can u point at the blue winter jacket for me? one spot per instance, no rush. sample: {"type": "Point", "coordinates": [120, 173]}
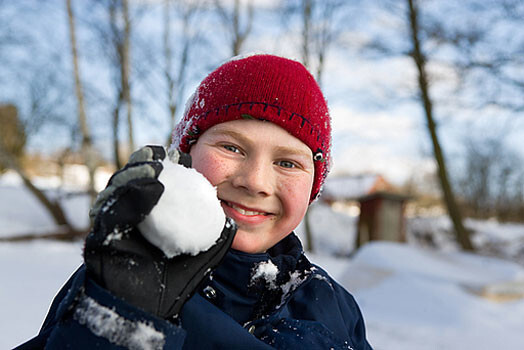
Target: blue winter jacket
{"type": "Point", "coordinates": [238, 307]}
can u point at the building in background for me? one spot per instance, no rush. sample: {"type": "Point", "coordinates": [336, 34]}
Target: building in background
{"type": "Point", "coordinates": [380, 207]}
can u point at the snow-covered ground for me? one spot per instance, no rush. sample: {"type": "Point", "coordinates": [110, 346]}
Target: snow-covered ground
{"type": "Point", "coordinates": [31, 275]}
{"type": "Point", "coordinates": [411, 297]}
{"type": "Point", "coordinates": [418, 299]}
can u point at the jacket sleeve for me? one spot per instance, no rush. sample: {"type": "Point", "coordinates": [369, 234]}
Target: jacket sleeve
{"type": "Point", "coordinates": [86, 316]}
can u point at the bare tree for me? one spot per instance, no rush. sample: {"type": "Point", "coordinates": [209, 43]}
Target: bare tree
{"type": "Point", "coordinates": [238, 21]}
{"type": "Point", "coordinates": [121, 39]}
{"type": "Point", "coordinates": [420, 61]}
{"type": "Point", "coordinates": [490, 180]}
{"type": "Point", "coordinates": [42, 92]}
{"type": "Point", "coordinates": [113, 28]}
{"type": "Point", "coordinates": [87, 148]}
{"type": "Point", "coordinates": [486, 63]}
{"type": "Point", "coordinates": [319, 29]}
{"type": "Point", "coordinates": [176, 76]}
{"type": "Point", "coordinates": [496, 58]}
{"type": "Point", "coordinates": [487, 59]}
{"type": "Point", "coordinates": [415, 47]}
{"type": "Point", "coordinates": [168, 56]}
{"type": "Point", "coordinates": [125, 65]}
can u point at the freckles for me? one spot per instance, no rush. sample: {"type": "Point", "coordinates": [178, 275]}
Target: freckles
{"type": "Point", "coordinates": [211, 167]}
{"type": "Point", "coordinates": [297, 188]}
{"type": "Point", "coordinates": [295, 193]}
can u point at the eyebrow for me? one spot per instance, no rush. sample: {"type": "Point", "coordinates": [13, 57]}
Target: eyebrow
{"type": "Point", "coordinates": [281, 149]}
{"type": "Point", "coordinates": [294, 151]}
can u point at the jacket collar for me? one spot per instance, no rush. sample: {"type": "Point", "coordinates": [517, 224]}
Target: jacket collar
{"type": "Point", "coordinates": [246, 297]}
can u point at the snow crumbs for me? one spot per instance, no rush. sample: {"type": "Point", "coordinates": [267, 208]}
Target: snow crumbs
{"type": "Point", "coordinates": [268, 271]}
{"type": "Point", "coordinates": [323, 278]}
{"type": "Point", "coordinates": [106, 323]}
{"type": "Point", "coordinates": [115, 235]}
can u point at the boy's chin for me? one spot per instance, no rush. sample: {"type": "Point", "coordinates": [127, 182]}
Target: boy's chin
{"type": "Point", "coordinates": [253, 243]}
{"type": "Point", "coordinates": [247, 245]}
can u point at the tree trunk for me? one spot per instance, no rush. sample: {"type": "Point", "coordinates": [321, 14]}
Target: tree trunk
{"type": "Point", "coordinates": [320, 67]}
{"type": "Point", "coordinates": [310, 246]}
{"type": "Point", "coordinates": [306, 31]}
{"type": "Point", "coordinates": [116, 121]}
{"type": "Point", "coordinates": [449, 198]}
{"type": "Point", "coordinates": [237, 40]}
{"type": "Point", "coordinates": [233, 22]}
{"type": "Point", "coordinates": [175, 82]}
{"type": "Point", "coordinates": [306, 38]}
{"type": "Point", "coordinates": [168, 57]}
{"type": "Point", "coordinates": [87, 145]}
{"type": "Point", "coordinates": [115, 39]}
{"type": "Point", "coordinates": [126, 69]}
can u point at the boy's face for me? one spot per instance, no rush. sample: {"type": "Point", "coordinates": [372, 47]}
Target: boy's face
{"type": "Point", "coordinates": [263, 176]}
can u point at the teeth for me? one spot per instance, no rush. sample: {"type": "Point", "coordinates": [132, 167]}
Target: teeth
{"type": "Point", "coordinates": [246, 212]}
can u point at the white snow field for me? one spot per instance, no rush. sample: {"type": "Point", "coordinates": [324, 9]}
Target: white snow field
{"type": "Point", "coordinates": [31, 275]}
{"type": "Point", "coordinates": [411, 298]}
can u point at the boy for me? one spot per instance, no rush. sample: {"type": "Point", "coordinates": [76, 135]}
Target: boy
{"type": "Point", "coordinates": [258, 129]}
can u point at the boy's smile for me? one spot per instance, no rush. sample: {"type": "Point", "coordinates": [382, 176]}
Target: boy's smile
{"type": "Point", "coordinates": [263, 176]}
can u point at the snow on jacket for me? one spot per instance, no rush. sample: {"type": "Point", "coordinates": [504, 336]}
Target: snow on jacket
{"type": "Point", "coordinates": [276, 299]}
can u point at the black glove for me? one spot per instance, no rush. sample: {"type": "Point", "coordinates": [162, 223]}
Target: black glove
{"type": "Point", "coordinates": [121, 260]}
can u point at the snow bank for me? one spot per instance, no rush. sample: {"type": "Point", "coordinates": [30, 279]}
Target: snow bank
{"type": "Point", "coordinates": [457, 267]}
{"type": "Point", "coordinates": [503, 240]}
{"type": "Point", "coordinates": [31, 274]}
{"type": "Point", "coordinates": [422, 299]}
{"type": "Point", "coordinates": [188, 217]}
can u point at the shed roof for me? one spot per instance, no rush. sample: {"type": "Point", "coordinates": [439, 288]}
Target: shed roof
{"type": "Point", "coordinates": [352, 187]}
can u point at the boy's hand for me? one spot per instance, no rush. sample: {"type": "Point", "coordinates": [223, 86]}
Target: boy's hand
{"type": "Point", "coordinates": [120, 259]}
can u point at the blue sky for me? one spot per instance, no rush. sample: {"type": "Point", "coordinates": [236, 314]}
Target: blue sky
{"type": "Point", "coordinates": [378, 125]}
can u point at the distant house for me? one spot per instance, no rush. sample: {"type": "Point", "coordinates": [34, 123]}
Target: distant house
{"type": "Point", "coordinates": [381, 209]}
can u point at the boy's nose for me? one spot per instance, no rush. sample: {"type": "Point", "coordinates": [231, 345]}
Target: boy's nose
{"type": "Point", "coordinates": [254, 177]}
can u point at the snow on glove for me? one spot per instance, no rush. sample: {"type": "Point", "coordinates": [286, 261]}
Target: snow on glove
{"type": "Point", "coordinates": [120, 257]}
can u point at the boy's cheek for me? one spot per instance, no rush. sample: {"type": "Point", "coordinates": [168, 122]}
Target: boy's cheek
{"type": "Point", "coordinates": [209, 166]}
{"type": "Point", "coordinates": [295, 200]}
{"type": "Point", "coordinates": [299, 187]}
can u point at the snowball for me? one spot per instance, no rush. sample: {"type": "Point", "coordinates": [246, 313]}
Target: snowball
{"type": "Point", "coordinates": [188, 218]}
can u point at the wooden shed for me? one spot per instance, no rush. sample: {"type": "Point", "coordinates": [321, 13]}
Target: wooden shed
{"type": "Point", "coordinates": [381, 218]}
{"type": "Point", "coordinates": [381, 210]}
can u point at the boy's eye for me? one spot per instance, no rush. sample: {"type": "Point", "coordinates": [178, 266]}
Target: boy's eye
{"type": "Point", "coordinates": [231, 148]}
{"type": "Point", "coordinates": [287, 164]}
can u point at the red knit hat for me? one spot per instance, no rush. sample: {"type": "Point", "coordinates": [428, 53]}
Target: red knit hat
{"type": "Point", "coordinates": [268, 88]}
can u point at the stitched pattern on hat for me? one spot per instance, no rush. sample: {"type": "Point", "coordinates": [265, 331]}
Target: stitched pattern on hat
{"type": "Point", "coordinates": [279, 109]}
